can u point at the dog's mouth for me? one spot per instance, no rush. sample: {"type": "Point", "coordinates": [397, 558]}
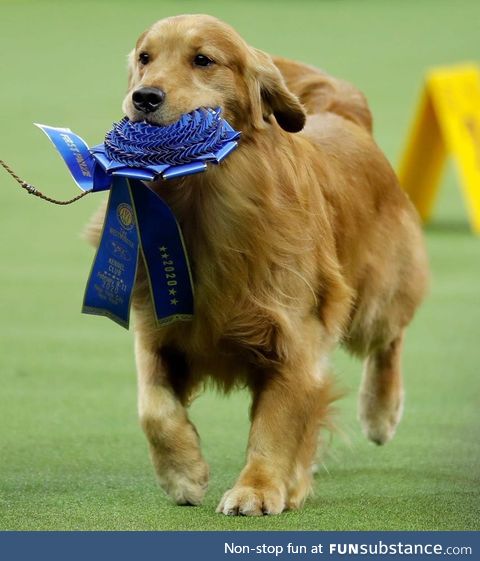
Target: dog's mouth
{"type": "Point", "coordinates": [160, 117]}
{"type": "Point", "coordinates": [156, 121]}
{"type": "Point", "coordinates": [150, 119]}
{"type": "Point", "coordinates": [198, 117]}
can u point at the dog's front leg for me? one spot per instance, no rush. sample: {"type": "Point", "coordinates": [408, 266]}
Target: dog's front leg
{"type": "Point", "coordinates": [173, 440]}
{"type": "Point", "coordinates": [287, 412]}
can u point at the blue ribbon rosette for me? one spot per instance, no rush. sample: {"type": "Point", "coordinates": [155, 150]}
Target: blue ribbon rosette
{"type": "Point", "coordinates": [138, 221]}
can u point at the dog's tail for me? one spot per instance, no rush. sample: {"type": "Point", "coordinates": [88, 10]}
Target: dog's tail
{"type": "Point", "coordinates": [320, 93]}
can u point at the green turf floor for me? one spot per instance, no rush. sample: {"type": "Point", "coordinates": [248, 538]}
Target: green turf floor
{"type": "Point", "coordinates": [71, 453]}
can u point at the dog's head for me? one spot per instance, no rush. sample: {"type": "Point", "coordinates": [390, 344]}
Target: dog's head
{"type": "Point", "coordinates": [185, 62]}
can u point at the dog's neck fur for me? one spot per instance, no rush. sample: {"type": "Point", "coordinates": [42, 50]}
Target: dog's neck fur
{"type": "Point", "coordinates": [228, 223]}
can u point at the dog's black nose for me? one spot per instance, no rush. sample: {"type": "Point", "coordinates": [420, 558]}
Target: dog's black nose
{"type": "Point", "coordinates": [148, 99]}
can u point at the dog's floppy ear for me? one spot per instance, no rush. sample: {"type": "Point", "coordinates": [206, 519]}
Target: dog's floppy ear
{"type": "Point", "coordinates": [269, 94]}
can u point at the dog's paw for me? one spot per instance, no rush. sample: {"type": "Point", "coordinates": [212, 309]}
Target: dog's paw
{"type": "Point", "coordinates": [249, 501]}
{"type": "Point", "coordinates": [379, 421]}
{"type": "Point", "coordinates": [186, 487]}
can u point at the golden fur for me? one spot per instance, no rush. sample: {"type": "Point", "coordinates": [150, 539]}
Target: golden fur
{"type": "Point", "coordinates": [301, 239]}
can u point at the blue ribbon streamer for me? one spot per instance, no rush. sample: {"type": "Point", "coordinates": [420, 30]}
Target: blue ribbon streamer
{"type": "Point", "coordinates": [74, 150]}
{"type": "Point", "coordinates": [158, 237]}
{"type": "Point", "coordinates": [164, 255]}
{"type": "Point", "coordinates": [110, 284]}
{"type": "Point", "coordinates": [138, 221]}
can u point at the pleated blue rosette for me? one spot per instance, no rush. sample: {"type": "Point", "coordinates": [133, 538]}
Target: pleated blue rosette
{"type": "Point", "coordinates": [138, 222]}
{"type": "Point", "coordinates": [144, 151]}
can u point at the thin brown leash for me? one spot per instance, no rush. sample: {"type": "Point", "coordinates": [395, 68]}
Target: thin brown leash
{"type": "Point", "coordinates": [34, 191]}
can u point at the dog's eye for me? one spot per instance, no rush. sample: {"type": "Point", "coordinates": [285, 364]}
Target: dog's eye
{"type": "Point", "coordinates": [144, 58]}
{"type": "Point", "coordinates": [202, 60]}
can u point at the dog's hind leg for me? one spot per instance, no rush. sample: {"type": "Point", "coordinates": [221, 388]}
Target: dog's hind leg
{"type": "Point", "coordinates": [173, 440]}
{"type": "Point", "coordinates": [380, 403]}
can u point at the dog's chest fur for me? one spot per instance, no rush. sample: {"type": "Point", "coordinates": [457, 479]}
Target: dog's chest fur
{"type": "Point", "coordinates": [246, 277]}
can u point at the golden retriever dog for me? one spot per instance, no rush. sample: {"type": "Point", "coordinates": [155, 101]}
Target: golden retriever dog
{"type": "Point", "coordinates": [299, 241]}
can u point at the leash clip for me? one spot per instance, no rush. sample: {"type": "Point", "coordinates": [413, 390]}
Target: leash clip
{"type": "Point", "coordinates": [30, 188]}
